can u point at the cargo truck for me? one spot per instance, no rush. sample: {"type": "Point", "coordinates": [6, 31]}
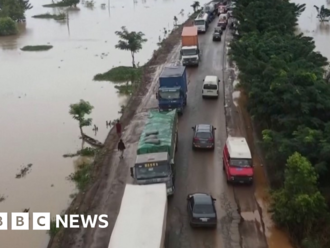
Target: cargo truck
{"type": "Point", "coordinates": [141, 222]}
{"type": "Point", "coordinates": [190, 53]}
{"type": "Point", "coordinates": [172, 91]}
{"type": "Point", "coordinates": [155, 160]}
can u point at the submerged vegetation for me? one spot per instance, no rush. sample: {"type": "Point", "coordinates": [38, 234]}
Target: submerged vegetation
{"type": "Point", "coordinates": [7, 26]}
{"type": "Point", "coordinates": [63, 3]}
{"type": "Point", "coordinates": [37, 48]}
{"type": "Point", "coordinates": [50, 16]}
{"type": "Point", "coordinates": [82, 176]}
{"type": "Point", "coordinates": [119, 74]}
{"type": "Point", "coordinates": [283, 77]}
{"type": "Point", "coordinates": [128, 77]}
{"type": "Point", "coordinates": [11, 12]}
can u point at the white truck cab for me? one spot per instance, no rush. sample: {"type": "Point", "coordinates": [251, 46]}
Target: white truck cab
{"type": "Point", "coordinates": [201, 22]}
{"type": "Point", "coordinates": [190, 55]}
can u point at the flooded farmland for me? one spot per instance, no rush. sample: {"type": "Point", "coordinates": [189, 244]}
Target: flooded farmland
{"type": "Point", "coordinates": [38, 87]}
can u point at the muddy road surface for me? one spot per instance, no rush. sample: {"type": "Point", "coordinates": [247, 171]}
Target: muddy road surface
{"type": "Point", "coordinates": [196, 171]}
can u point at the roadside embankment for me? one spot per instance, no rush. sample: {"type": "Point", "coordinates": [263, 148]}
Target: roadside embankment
{"type": "Point", "coordinates": [85, 201]}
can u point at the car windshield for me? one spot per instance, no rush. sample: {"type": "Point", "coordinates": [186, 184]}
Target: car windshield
{"type": "Point", "coordinates": [188, 52]}
{"type": "Point", "coordinates": [242, 163]}
{"type": "Point", "coordinates": [203, 135]}
{"type": "Point", "coordinates": [199, 22]}
{"type": "Point", "coordinates": [152, 172]}
{"type": "Point", "coordinates": [203, 209]}
{"type": "Point", "coordinates": [169, 94]}
{"type": "Point", "coordinates": [210, 87]}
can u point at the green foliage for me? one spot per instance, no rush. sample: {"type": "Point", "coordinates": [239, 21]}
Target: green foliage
{"type": "Point", "coordinates": [50, 16]}
{"type": "Point", "coordinates": [299, 205]}
{"type": "Point", "coordinates": [282, 76]}
{"type": "Point", "coordinates": [130, 41]}
{"type": "Point", "coordinates": [14, 9]}
{"type": "Point", "coordinates": [195, 6]}
{"type": "Point", "coordinates": [7, 26]}
{"type": "Point", "coordinates": [120, 74]}
{"type": "Point", "coordinates": [37, 48]}
{"type": "Point", "coordinates": [79, 111]}
{"type": "Point", "coordinates": [82, 176]}
{"type": "Point", "coordinates": [63, 3]}
{"type": "Point", "coordinates": [322, 13]}
{"type": "Point", "coordinates": [53, 229]}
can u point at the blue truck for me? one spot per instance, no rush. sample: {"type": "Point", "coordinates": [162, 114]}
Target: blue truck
{"type": "Point", "coordinates": [172, 91]}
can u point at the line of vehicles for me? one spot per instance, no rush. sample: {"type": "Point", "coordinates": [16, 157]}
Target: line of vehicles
{"type": "Point", "coordinates": [190, 54]}
{"type": "Point", "coordinates": [141, 222]}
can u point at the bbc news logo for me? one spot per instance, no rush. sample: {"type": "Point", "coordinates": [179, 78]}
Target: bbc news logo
{"type": "Point", "coordinates": [41, 221]}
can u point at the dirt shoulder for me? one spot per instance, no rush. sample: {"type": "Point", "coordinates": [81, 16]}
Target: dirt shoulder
{"type": "Point", "coordinates": [86, 202]}
{"type": "Point", "coordinates": [256, 228]}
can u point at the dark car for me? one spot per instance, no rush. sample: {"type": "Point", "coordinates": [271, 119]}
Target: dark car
{"type": "Point", "coordinates": [201, 210]}
{"type": "Point", "coordinates": [217, 35]}
{"type": "Point", "coordinates": [203, 136]}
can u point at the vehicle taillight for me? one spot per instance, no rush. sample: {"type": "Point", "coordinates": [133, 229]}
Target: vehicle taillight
{"type": "Point", "coordinates": [211, 139]}
{"type": "Point", "coordinates": [196, 139]}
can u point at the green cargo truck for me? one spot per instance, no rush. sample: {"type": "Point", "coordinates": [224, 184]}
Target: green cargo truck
{"type": "Point", "coordinates": [156, 150]}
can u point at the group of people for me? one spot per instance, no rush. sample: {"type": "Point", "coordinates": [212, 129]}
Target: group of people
{"type": "Point", "coordinates": [121, 146]}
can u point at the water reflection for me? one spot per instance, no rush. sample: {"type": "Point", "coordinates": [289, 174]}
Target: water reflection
{"type": "Point", "coordinates": [11, 42]}
{"type": "Point", "coordinates": [323, 28]}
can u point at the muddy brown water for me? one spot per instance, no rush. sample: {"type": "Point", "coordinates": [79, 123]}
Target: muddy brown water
{"type": "Point", "coordinates": [38, 87]}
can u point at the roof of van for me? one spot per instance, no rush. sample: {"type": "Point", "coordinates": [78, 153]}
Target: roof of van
{"type": "Point", "coordinates": [211, 79]}
{"type": "Point", "coordinates": [238, 147]}
{"type": "Point", "coordinates": [172, 71]}
{"type": "Point", "coordinates": [189, 31]}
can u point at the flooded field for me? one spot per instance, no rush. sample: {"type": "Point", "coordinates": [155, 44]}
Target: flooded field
{"type": "Point", "coordinates": [38, 87]}
{"type": "Point", "coordinates": [310, 25]}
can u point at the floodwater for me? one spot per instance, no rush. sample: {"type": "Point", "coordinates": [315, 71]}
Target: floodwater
{"type": "Point", "coordinates": [38, 87]}
{"type": "Point", "coordinates": [310, 25]}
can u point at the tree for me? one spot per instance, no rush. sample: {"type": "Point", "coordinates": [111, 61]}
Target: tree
{"type": "Point", "coordinates": [25, 4]}
{"type": "Point", "coordinates": [323, 14]}
{"type": "Point", "coordinates": [12, 9]}
{"type": "Point", "coordinates": [195, 6]}
{"type": "Point", "coordinates": [130, 41]}
{"type": "Point", "coordinates": [299, 205]}
{"type": "Point", "coordinates": [79, 111]}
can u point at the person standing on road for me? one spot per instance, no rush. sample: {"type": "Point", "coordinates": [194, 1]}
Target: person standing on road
{"type": "Point", "coordinates": [121, 148]}
{"type": "Point", "coordinates": [118, 127]}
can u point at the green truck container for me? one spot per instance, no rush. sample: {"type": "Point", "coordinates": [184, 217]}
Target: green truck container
{"type": "Point", "coordinates": [156, 150]}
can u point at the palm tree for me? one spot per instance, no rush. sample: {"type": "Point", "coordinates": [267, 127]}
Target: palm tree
{"type": "Point", "coordinates": [78, 112]}
{"type": "Point", "coordinates": [323, 14]}
{"type": "Point", "coordinates": [195, 6]}
{"type": "Point", "coordinates": [130, 41]}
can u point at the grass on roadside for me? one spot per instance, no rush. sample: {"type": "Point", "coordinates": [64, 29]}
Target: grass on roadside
{"type": "Point", "coordinates": [86, 152]}
{"type": "Point", "coordinates": [53, 229]}
{"type": "Point", "coordinates": [50, 16]}
{"type": "Point", "coordinates": [37, 48]}
{"type": "Point", "coordinates": [119, 74]}
{"type": "Point", "coordinates": [82, 176]}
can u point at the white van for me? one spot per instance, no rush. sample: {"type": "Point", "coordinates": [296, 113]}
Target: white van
{"type": "Point", "coordinates": [201, 22]}
{"type": "Point", "coordinates": [211, 87]}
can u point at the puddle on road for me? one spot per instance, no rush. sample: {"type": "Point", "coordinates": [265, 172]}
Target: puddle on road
{"type": "Point", "coordinates": [37, 89]}
{"type": "Point", "coordinates": [275, 237]}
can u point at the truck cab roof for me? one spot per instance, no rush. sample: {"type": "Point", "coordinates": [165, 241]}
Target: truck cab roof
{"type": "Point", "coordinates": [172, 71]}
{"type": "Point", "coordinates": [151, 157]}
{"type": "Point", "coordinates": [238, 148]}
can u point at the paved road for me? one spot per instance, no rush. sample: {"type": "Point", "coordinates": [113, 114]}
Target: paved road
{"type": "Point", "coordinates": [195, 171]}
{"type": "Point", "coordinates": [201, 171]}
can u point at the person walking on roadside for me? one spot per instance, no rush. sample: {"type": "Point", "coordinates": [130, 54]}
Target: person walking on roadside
{"type": "Point", "coordinates": [118, 127]}
{"type": "Point", "coordinates": [121, 148]}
